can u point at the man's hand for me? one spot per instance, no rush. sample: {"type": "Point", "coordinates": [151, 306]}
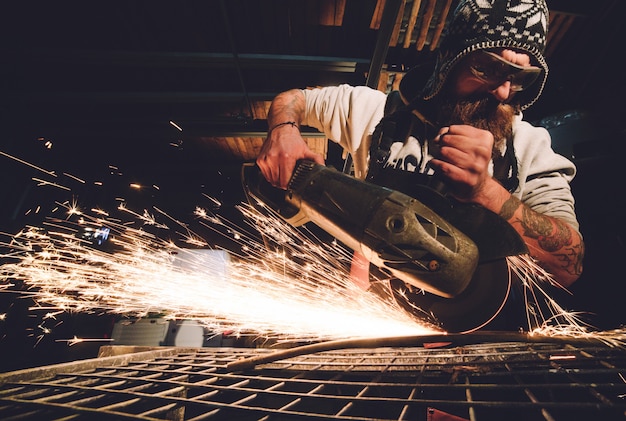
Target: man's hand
{"type": "Point", "coordinates": [284, 144]}
{"type": "Point", "coordinates": [462, 157]}
{"type": "Point", "coordinates": [279, 153]}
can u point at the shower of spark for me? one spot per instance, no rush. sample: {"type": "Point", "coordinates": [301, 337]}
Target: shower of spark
{"type": "Point", "coordinates": [290, 285]}
{"type": "Point", "coordinates": [298, 290]}
{"type": "Point", "coordinates": [545, 316]}
{"type": "Point", "coordinates": [542, 312]}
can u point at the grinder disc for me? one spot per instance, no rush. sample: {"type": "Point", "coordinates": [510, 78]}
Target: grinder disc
{"type": "Point", "coordinates": [476, 306]}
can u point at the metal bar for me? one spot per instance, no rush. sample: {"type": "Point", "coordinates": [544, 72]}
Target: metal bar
{"type": "Point", "coordinates": [388, 21]}
{"type": "Point", "coordinates": [435, 386]}
{"type": "Point", "coordinates": [53, 388]}
{"type": "Point", "coordinates": [468, 396]}
{"type": "Point", "coordinates": [64, 409]}
{"type": "Point", "coordinates": [337, 384]}
{"type": "Point", "coordinates": [88, 399]}
{"type": "Point", "coordinates": [174, 97]}
{"type": "Point", "coordinates": [76, 366]}
{"type": "Point", "coordinates": [405, 408]}
{"type": "Point", "coordinates": [294, 62]}
{"type": "Point", "coordinates": [155, 411]}
{"type": "Point", "coordinates": [121, 404]}
{"type": "Point", "coordinates": [592, 388]}
{"type": "Point", "coordinates": [233, 48]}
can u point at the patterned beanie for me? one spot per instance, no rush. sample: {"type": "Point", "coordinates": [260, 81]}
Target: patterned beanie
{"type": "Point", "coordinates": [487, 24]}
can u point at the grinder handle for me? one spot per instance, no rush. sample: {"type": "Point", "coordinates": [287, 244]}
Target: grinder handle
{"type": "Point", "coordinates": [258, 188]}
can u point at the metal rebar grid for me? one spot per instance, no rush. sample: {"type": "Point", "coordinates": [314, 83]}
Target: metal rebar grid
{"type": "Point", "coordinates": [487, 381]}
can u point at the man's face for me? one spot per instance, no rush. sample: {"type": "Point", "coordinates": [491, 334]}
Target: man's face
{"type": "Point", "coordinates": [500, 73]}
{"type": "Point", "coordinates": [477, 90]}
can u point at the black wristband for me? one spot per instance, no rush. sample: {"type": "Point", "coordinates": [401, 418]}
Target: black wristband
{"type": "Point", "coordinates": [284, 123]}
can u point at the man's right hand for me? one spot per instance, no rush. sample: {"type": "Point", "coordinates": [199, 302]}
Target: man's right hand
{"type": "Point", "coordinates": [279, 153]}
{"type": "Point", "coordinates": [284, 144]}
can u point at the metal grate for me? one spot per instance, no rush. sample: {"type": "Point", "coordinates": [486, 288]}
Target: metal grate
{"type": "Point", "coordinates": [485, 381]}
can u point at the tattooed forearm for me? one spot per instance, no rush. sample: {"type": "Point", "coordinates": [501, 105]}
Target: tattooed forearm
{"type": "Point", "coordinates": [287, 106]}
{"type": "Point", "coordinates": [551, 234]}
{"type": "Point", "coordinates": [552, 241]}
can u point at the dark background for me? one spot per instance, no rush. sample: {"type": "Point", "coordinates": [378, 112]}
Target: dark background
{"type": "Point", "coordinates": [101, 81]}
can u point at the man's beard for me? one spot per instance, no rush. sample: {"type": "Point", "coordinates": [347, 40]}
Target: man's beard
{"type": "Point", "coordinates": [484, 113]}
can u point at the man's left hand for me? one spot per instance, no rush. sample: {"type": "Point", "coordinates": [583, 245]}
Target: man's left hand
{"type": "Point", "coordinates": [463, 157]}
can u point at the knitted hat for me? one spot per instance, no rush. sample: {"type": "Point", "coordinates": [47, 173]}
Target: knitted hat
{"type": "Point", "coordinates": [487, 24]}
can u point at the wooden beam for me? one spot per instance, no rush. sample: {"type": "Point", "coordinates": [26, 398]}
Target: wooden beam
{"type": "Point", "coordinates": [415, 8]}
{"type": "Point", "coordinates": [396, 29]}
{"type": "Point", "coordinates": [331, 12]}
{"type": "Point", "coordinates": [443, 16]}
{"type": "Point", "coordinates": [260, 109]}
{"type": "Point", "coordinates": [428, 17]}
{"type": "Point", "coordinates": [383, 81]}
{"type": "Point", "coordinates": [377, 17]}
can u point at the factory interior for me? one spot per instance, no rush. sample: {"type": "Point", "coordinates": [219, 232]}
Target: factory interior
{"type": "Point", "coordinates": [171, 99]}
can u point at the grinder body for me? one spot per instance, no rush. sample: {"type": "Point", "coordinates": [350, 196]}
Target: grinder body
{"type": "Point", "coordinates": [449, 270]}
{"type": "Point", "coordinates": [392, 230]}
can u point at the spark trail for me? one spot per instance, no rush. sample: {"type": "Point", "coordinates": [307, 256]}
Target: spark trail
{"type": "Point", "coordinates": [298, 289]}
{"type": "Point", "coordinates": [288, 286]}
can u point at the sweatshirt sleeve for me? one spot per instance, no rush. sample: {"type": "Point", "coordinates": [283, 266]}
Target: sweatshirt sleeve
{"type": "Point", "coordinates": [545, 176]}
{"type": "Point", "coordinates": [345, 114]}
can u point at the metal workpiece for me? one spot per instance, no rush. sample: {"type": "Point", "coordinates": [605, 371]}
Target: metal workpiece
{"type": "Point", "coordinates": [477, 376]}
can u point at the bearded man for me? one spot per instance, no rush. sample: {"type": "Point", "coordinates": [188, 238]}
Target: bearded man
{"type": "Point", "coordinates": [463, 125]}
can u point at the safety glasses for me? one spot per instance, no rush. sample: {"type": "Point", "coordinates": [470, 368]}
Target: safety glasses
{"type": "Point", "coordinates": [493, 70]}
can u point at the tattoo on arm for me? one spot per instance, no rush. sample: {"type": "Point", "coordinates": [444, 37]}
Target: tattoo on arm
{"type": "Point", "coordinates": [552, 235]}
{"type": "Point", "coordinates": [509, 207]}
{"type": "Point", "coordinates": [572, 259]}
{"type": "Point", "coordinates": [288, 105]}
